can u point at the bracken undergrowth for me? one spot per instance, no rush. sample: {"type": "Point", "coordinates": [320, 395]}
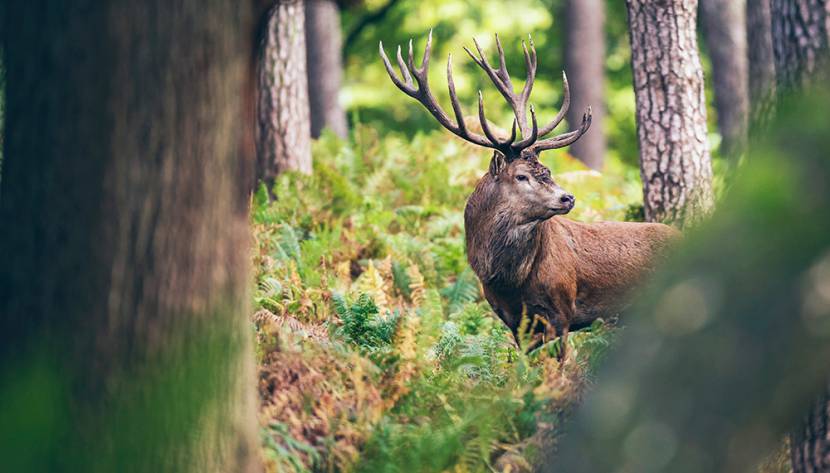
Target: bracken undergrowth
{"type": "Point", "coordinates": [376, 350]}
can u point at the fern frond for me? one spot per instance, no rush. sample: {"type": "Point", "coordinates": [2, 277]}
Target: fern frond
{"type": "Point", "coordinates": [417, 286]}
{"type": "Point", "coordinates": [464, 289]}
{"type": "Point", "coordinates": [371, 282]}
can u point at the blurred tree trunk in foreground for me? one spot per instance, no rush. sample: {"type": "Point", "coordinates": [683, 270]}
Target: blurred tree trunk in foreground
{"type": "Point", "coordinates": [724, 30]}
{"type": "Point", "coordinates": [761, 63]}
{"type": "Point", "coordinates": [799, 38]}
{"type": "Point", "coordinates": [671, 110]}
{"type": "Point", "coordinates": [723, 352]}
{"type": "Point", "coordinates": [124, 337]}
{"type": "Point", "coordinates": [584, 53]}
{"type": "Point", "coordinates": [284, 131]}
{"type": "Point", "coordinates": [325, 67]}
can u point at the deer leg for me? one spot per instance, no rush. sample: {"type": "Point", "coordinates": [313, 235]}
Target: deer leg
{"type": "Point", "coordinates": [564, 324]}
{"type": "Point", "coordinates": [563, 342]}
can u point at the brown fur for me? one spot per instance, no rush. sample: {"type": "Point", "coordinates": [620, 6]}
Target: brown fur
{"type": "Point", "coordinates": [530, 258]}
{"type": "Point", "coordinates": [526, 257]}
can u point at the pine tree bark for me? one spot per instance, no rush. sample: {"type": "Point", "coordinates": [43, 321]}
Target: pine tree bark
{"type": "Point", "coordinates": [810, 451]}
{"type": "Point", "coordinates": [284, 131]}
{"type": "Point", "coordinates": [800, 40]}
{"type": "Point", "coordinates": [761, 63]}
{"type": "Point", "coordinates": [724, 30]}
{"type": "Point", "coordinates": [675, 165]}
{"type": "Point", "coordinates": [584, 55]}
{"type": "Point", "coordinates": [325, 67]}
{"type": "Point", "coordinates": [124, 245]}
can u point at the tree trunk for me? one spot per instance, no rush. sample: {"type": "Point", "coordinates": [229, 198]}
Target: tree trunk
{"type": "Point", "coordinates": [124, 339]}
{"type": "Point", "coordinates": [671, 110]}
{"type": "Point", "coordinates": [799, 39]}
{"type": "Point", "coordinates": [325, 67]}
{"type": "Point", "coordinates": [284, 131]}
{"type": "Point", "coordinates": [585, 65]}
{"type": "Point", "coordinates": [761, 63]}
{"type": "Point", "coordinates": [810, 451]}
{"type": "Point", "coordinates": [724, 29]}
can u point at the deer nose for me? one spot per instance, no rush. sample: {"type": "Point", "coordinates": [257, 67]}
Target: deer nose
{"type": "Point", "coordinates": [568, 199]}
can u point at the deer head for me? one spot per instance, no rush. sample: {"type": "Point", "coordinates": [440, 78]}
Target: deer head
{"type": "Point", "coordinates": [521, 181]}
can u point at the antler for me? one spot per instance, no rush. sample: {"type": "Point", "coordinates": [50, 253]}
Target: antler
{"type": "Point", "coordinates": [423, 94]}
{"type": "Point", "coordinates": [511, 149]}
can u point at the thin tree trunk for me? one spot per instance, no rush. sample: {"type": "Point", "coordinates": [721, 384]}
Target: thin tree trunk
{"type": "Point", "coordinates": [671, 110]}
{"type": "Point", "coordinates": [810, 452]}
{"type": "Point", "coordinates": [325, 67]}
{"type": "Point", "coordinates": [724, 29]}
{"type": "Point", "coordinates": [124, 244]}
{"type": "Point", "coordinates": [761, 63]}
{"type": "Point", "coordinates": [585, 65]}
{"type": "Point", "coordinates": [284, 131]}
{"type": "Point", "coordinates": [799, 39]}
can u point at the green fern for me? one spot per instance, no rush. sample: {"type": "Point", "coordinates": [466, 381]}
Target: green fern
{"type": "Point", "coordinates": [361, 324]}
{"type": "Point", "coordinates": [463, 290]}
{"type": "Point", "coordinates": [401, 279]}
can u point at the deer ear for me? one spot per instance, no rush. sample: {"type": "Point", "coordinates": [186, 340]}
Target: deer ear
{"type": "Point", "coordinates": [497, 163]}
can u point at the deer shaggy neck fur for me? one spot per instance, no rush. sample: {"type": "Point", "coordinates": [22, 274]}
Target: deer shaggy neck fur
{"type": "Point", "coordinates": [501, 248]}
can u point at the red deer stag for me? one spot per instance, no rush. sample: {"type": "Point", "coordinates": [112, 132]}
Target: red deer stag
{"type": "Point", "coordinates": [529, 259]}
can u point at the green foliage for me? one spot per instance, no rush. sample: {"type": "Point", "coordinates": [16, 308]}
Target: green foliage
{"type": "Point", "coordinates": [362, 326]}
{"type": "Point", "coordinates": [369, 252]}
{"type": "Point", "coordinates": [286, 451]}
{"type": "Point", "coordinates": [463, 290]}
{"type": "Point", "coordinates": [373, 99]}
{"type": "Point", "coordinates": [726, 351]}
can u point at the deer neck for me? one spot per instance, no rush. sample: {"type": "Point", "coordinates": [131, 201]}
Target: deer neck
{"type": "Point", "coordinates": [501, 250]}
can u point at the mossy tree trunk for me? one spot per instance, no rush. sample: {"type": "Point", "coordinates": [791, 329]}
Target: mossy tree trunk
{"type": "Point", "coordinates": [124, 335]}
{"type": "Point", "coordinates": [675, 165]}
{"type": "Point", "coordinates": [284, 131]}
{"type": "Point", "coordinates": [724, 30]}
{"type": "Point", "coordinates": [584, 53]}
{"type": "Point", "coordinates": [325, 67]}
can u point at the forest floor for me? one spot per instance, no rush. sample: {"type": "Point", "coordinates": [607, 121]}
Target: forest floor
{"type": "Point", "coordinates": [376, 349]}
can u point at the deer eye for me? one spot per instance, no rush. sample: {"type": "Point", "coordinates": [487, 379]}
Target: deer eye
{"type": "Point", "coordinates": [521, 178]}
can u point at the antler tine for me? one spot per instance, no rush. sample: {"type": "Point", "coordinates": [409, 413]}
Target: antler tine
{"type": "Point", "coordinates": [534, 133]}
{"type": "Point", "coordinates": [530, 65]}
{"type": "Point", "coordinates": [404, 68]}
{"type": "Point", "coordinates": [410, 58]}
{"type": "Point", "coordinates": [501, 79]}
{"type": "Point", "coordinates": [427, 53]}
{"type": "Point", "coordinates": [484, 125]}
{"type": "Point", "coordinates": [502, 71]}
{"type": "Point", "coordinates": [566, 138]}
{"type": "Point", "coordinates": [482, 62]}
{"type": "Point", "coordinates": [456, 106]}
{"type": "Point", "coordinates": [566, 103]}
{"type": "Point", "coordinates": [423, 94]}
{"type": "Point", "coordinates": [513, 133]}
{"type": "Point", "coordinates": [406, 88]}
